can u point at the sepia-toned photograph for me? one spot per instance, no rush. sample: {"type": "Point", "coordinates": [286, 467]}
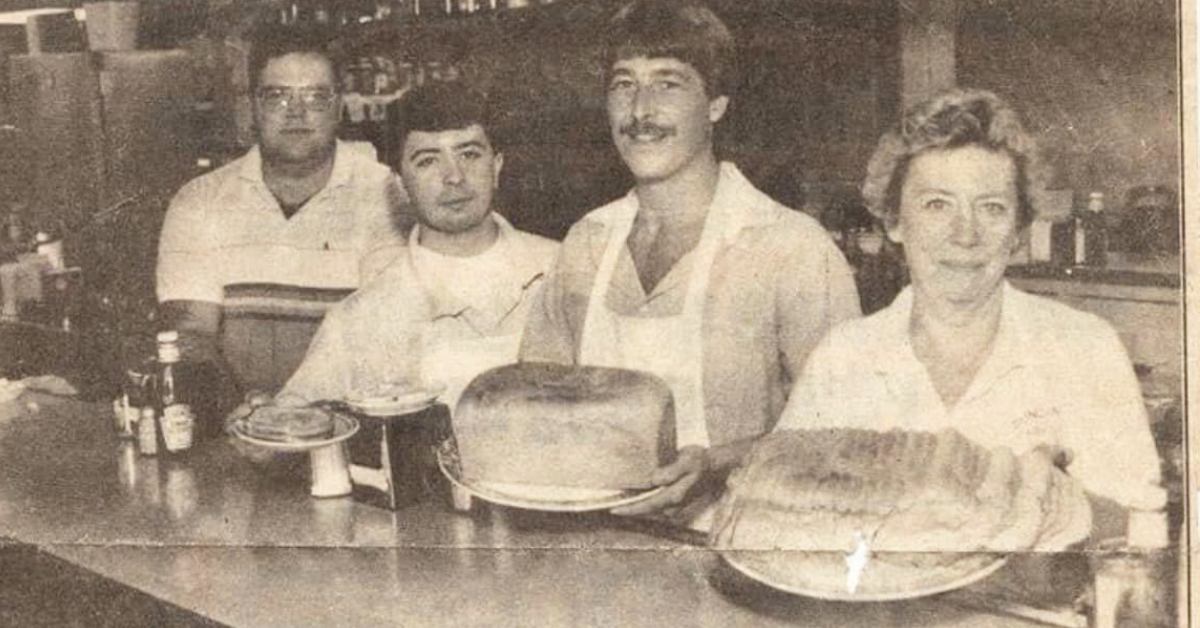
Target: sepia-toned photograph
{"type": "Point", "coordinates": [864, 313]}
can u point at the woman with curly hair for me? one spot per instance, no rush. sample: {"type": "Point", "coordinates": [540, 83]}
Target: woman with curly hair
{"type": "Point", "coordinates": [956, 185]}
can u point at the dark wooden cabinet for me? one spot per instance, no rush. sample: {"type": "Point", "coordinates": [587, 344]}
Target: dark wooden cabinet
{"type": "Point", "coordinates": [99, 129]}
{"type": "Point", "coordinates": [56, 107]}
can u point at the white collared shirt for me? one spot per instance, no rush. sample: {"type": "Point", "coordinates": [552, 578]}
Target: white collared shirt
{"type": "Point", "coordinates": [1055, 376]}
{"type": "Point", "coordinates": [380, 333]}
{"type": "Point", "coordinates": [225, 228]}
{"type": "Point", "coordinates": [775, 289]}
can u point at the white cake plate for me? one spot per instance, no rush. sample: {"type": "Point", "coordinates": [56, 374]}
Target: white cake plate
{"type": "Point", "coordinates": [823, 577]}
{"type": "Point", "coordinates": [399, 402]}
{"type": "Point", "coordinates": [343, 428]}
{"type": "Point", "coordinates": [540, 497]}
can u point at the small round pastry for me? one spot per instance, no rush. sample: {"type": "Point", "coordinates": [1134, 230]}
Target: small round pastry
{"type": "Point", "coordinates": [289, 424]}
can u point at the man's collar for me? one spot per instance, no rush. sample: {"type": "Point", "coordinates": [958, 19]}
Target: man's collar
{"type": "Point", "coordinates": [504, 231]}
{"type": "Point", "coordinates": [343, 167]}
{"type": "Point", "coordinates": [251, 169]}
{"type": "Point", "coordinates": [445, 303]}
{"type": "Point", "coordinates": [734, 193]}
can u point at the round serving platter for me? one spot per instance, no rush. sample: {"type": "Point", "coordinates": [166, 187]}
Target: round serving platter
{"type": "Point", "coordinates": [403, 402]}
{"type": "Point", "coordinates": [822, 575]}
{"type": "Point", "coordinates": [538, 497]}
{"type": "Point", "coordinates": [343, 428]}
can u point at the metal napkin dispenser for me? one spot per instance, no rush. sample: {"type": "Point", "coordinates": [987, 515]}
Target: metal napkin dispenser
{"type": "Point", "coordinates": [392, 459]}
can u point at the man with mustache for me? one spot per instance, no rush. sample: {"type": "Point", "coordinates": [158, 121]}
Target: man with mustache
{"type": "Point", "coordinates": [695, 275]}
{"type": "Point", "coordinates": [283, 231]}
{"type": "Point", "coordinates": [454, 301]}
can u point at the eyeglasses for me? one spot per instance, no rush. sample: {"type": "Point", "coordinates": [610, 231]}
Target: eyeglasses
{"type": "Point", "coordinates": [313, 98]}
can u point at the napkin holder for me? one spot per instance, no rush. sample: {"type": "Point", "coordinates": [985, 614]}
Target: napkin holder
{"type": "Point", "coordinates": [392, 460]}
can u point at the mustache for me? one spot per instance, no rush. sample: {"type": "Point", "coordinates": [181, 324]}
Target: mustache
{"type": "Point", "coordinates": [634, 128]}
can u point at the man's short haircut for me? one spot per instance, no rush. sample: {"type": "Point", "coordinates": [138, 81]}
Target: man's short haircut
{"type": "Point", "coordinates": [274, 41]}
{"type": "Point", "coordinates": [438, 106]}
{"type": "Point", "coordinates": [686, 30]}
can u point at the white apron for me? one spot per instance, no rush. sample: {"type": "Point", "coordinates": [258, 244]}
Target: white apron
{"type": "Point", "coordinates": [456, 360]}
{"type": "Point", "coordinates": [670, 347]}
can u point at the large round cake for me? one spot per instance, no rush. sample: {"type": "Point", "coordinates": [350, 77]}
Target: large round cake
{"type": "Point", "coordinates": [571, 426]}
{"type": "Point", "coordinates": [902, 508]}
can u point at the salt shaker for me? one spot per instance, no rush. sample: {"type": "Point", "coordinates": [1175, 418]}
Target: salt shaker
{"type": "Point", "coordinates": [330, 471]}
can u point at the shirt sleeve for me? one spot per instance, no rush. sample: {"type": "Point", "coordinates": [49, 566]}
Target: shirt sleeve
{"type": "Point", "coordinates": [189, 255]}
{"type": "Point", "coordinates": [326, 372]}
{"type": "Point", "coordinates": [548, 335]}
{"type": "Point", "coordinates": [808, 405]}
{"type": "Point", "coordinates": [1114, 453]}
{"type": "Point", "coordinates": [817, 291]}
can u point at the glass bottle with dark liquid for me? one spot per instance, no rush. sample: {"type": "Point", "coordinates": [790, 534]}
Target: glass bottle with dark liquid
{"type": "Point", "coordinates": [1095, 240]}
{"type": "Point", "coordinates": [175, 414]}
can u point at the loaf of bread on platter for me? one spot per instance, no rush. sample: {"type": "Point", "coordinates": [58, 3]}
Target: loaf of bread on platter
{"type": "Point", "coordinates": [569, 426]}
{"type": "Point", "coordinates": [901, 491]}
{"type": "Point", "coordinates": [883, 514]}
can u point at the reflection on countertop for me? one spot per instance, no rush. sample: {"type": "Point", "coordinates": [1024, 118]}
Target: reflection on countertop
{"type": "Point", "coordinates": [244, 544]}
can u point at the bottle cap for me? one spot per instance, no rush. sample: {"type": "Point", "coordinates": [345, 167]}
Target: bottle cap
{"type": "Point", "coordinates": [204, 162]}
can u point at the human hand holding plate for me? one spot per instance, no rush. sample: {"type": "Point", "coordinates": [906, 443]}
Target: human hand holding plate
{"type": "Point", "coordinates": [676, 479]}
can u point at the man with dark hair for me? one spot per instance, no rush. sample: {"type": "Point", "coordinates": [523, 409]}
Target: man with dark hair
{"type": "Point", "coordinates": [453, 302]}
{"type": "Point", "coordinates": [695, 275]}
{"type": "Point", "coordinates": [271, 41]}
{"type": "Point", "coordinates": [280, 232]}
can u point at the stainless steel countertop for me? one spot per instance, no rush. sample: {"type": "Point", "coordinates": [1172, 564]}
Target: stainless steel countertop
{"type": "Point", "coordinates": [245, 545]}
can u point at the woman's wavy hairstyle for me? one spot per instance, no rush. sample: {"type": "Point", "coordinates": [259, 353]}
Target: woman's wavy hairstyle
{"type": "Point", "coordinates": [955, 118]}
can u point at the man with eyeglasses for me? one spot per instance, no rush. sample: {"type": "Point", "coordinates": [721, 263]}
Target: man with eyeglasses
{"type": "Point", "coordinates": [283, 232]}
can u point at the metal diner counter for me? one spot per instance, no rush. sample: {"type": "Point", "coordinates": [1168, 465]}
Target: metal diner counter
{"type": "Point", "coordinates": [243, 544]}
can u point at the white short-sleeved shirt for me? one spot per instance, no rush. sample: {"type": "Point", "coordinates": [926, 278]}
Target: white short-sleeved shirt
{"type": "Point", "coordinates": [379, 333]}
{"type": "Point", "coordinates": [1055, 376]}
{"type": "Point", "coordinates": [226, 229]}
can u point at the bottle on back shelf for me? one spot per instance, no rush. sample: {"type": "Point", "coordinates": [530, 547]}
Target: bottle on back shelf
{"type": "Point", "coordinates": [1079, 238]}
{"type": "Point", "coordinates": [50, 247]}
{"type": "Point", "coordinates": [1090, 233]}
{"type": "Point", "coordinates": [1097, 231]}
{"type": "Point", "coordinates": [16, 240]}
